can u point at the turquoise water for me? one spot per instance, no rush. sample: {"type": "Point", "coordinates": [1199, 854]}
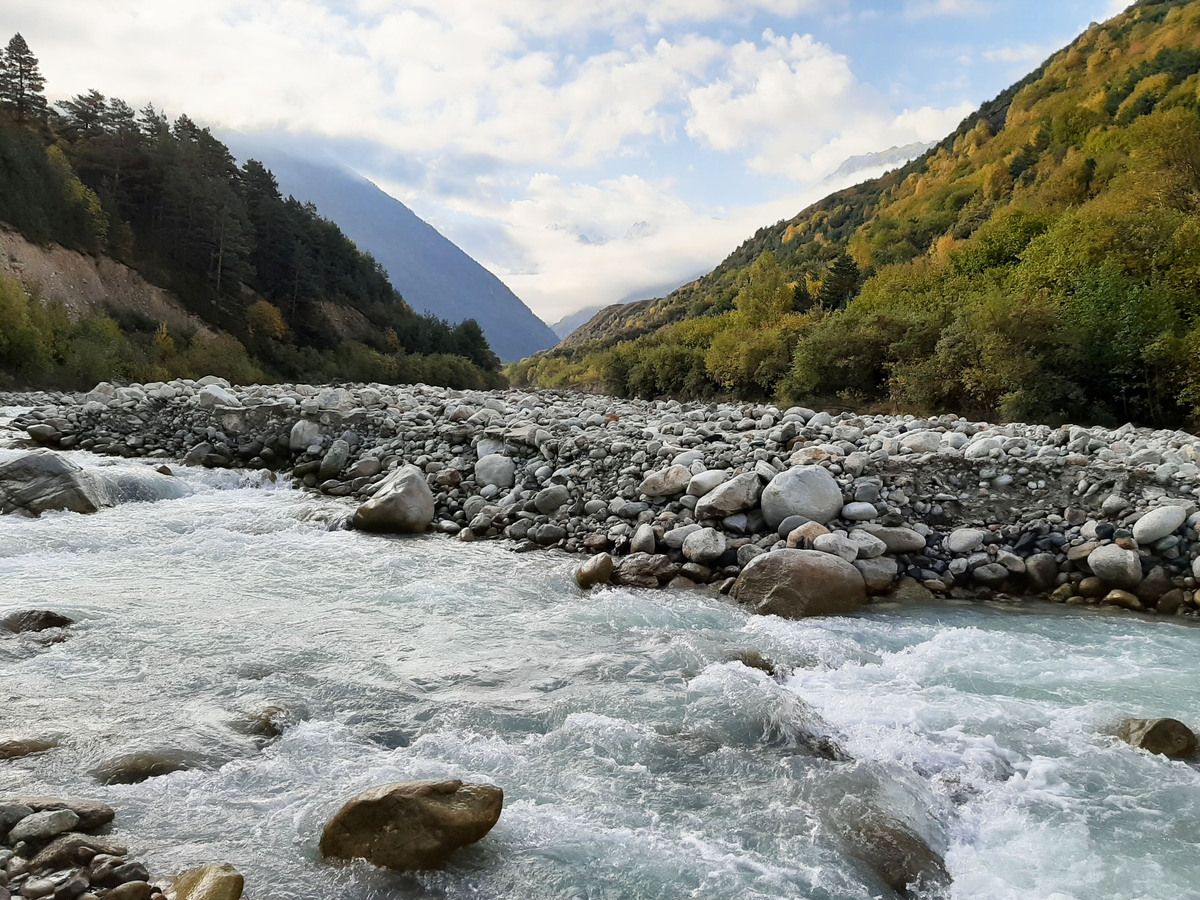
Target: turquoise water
{"type": "Point", "coordinates": [638, 762]}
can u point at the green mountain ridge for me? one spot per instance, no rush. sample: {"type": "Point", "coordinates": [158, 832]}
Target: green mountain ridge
{"type": "Point", "coordinates": [1037, 262]}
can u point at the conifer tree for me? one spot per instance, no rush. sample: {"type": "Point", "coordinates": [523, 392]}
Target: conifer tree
{"type": "Point", "coordinates": [840, 283]}
{"type": "Point", "coordinates": [22, 87]}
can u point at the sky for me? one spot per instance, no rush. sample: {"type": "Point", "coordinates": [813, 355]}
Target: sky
{"type": "Point", "coordinates": [586, 151]}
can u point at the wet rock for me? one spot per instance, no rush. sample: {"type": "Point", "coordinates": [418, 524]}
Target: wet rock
{"type": "Point", "coordinates": [32, 620]}
{"type": "Point", "coordinates": [753, 659]}
{"type": "Point", "coordinates": [596, 570]}
{"type": "Point", "coordinates": [402, 504]}
{"type": "Point", "coordinates": [134, 768]}
{"type": "Point", "coordinates": [131, 890]}
{"type": "Point", "coordinates": [212, 882]}
{"type": "Point", "coordinates": [901, 858]}
{"type": "Point", "coordinates": [1166, 737]}
{"type": "Point", "coordinates": [644, 570]}
{"type": "Point", "coordinates": [41, 481]}
{"type": "Point", "coordinates": [808, 491]}
{"type": "Point", "coordinates": [1042, 570]}
{"type": "Point", "coordinates": [68, 849]}
{"type": "Point", "coordinates": [22, 747]}
{"type": "Point", "coordinates": [41, 826]}
{"type": "Point", "coordinates": [92, 814]}
{"type": "Point", "coordinates": [412, 825]}
{"type": "Point", "coordinates": [798, 583]}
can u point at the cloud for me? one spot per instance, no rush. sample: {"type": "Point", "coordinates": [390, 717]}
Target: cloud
{"type": "Point", "coordinates": [1022, 54]}
{"type": "Point", "coordinates": [926, 9]}
{"type": "Point", "coordinates": [556, 140]}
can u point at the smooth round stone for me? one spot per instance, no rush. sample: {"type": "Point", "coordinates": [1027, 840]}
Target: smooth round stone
{"type": "Point", "coordinates": [859, 511]}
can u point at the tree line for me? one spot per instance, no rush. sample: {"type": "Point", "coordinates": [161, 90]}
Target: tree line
{"type": "Point", "coordinates": [168, 198]}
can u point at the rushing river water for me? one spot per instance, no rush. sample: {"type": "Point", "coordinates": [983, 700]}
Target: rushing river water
{"type": "Point", "coordinates": [637, 761]}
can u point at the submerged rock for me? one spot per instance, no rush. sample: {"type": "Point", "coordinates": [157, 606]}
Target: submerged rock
{"type": "Point", "coordinates": [19, 748]}
{"type": "Point", "coordinates": [798, 583]}
{"type": "Point", "coordinates": [1166, 737]}
{"type": "Point", "coordinates": [31, 620]}
{"type": "Point", "coordinates": [134, 768]}
{"type": "Point", "coordinates": [402, 504]}
{"type": "Point", "coordinates": [412, 825]}
{"type": "Point", "coordinates": [211, 882]}
{"type": "Point", "coordinates": [901, 858]}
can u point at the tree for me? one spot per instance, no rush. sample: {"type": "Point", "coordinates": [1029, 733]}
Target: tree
{"type": "Point", "coordinates": [840, 283]}
{"type": "Point", "coordinates": [22, 87]}
{"type": "Point", "coordinates": [764, 295]}
{"type": "Point", "coordinates": [86, 114]}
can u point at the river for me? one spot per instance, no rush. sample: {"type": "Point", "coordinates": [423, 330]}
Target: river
{"type": "Point", "coordinates": [638, 761]}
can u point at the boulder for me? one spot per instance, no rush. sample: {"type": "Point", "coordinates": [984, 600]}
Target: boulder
{"type": "Point", "coordinates": [551, 499]}
{"type": "Point", "coordinates": [704, 546]}
{"type": "Point", "coordinates": [897, 540]}
{"type": "Point", "coordinates": [496, 470]}
{"type": "Point", "coordinates": [303, 435]}
{"type": "Point", "coordinates": [92, 813]}
{"type": "Point", "coordinates": [878, 573]}
{"type": "Point", "coordinates": [20, 748]}
{"type": "Point", "coordinates": [1158, 523]}
{"type": "Point", "coordinates": [667, 482]}
{"type": "Point", "coordinates": [412, 825]}
{"type": "Point", "coordinates": [900, 857]}
{"type": "Point", "coordinates": [808, 491]}
{"type": "Point", "coordinates": [1116, 566]}
{"type": "Point", "coordinates": [920, 442]}
{"type": "Point", "coordinates": [214, 395]}
{"type": "Point", "coordinates": [838, 545]}
{"type": "Point", "coordinates": [736, 495]}
{"type": "Point", "coordinates": [644, 570]}
{"type": "Point", "coordinates": [1041, 570]}
{"type": "Point", "coordinates": [1167, 737]}
{"type": "Point", "coordinates": [41, 481]}
{"type": "Point", "coordinates": [965, 540]}
{"type": "Point", "coordinates": [402, 504]}
{"type": "Point", "coordinates": [67, 849]}
{"type": "Point", "coordinates": [798, 583]}
{"type": "Point", "coordinates": [30, 620]}
{"type": "Point", "coordinates": [141, 765]}
{"type": "Point", "coordinates": [41, 826]}
{"type": "Point", "coordinates": [597, 570]}
{"type": "Point", "coordinates": [644, 540]}
{"type": "Point", "coordinates": [212, 882]}
{"type": "Point", "coordinates": [334, 460]}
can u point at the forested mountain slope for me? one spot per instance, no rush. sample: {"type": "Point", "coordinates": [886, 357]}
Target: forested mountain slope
{"type": "Point", "coordinates": [284, 293]}
{"type": "Point", "coordinates": [434, 275]}
{"type": "Point", "coordinates": [1042, 261]}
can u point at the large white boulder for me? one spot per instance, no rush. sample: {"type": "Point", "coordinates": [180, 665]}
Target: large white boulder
{"type": "Point", "coordinates": [808, 491]}
{"type": "Point", "coordinates": [402, 504]}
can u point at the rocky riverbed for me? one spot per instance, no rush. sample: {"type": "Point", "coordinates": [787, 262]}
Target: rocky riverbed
{"type": "Point", "coordinates": [683, 495]}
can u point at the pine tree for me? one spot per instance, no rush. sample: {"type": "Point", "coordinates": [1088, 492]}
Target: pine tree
{"type": "Point", "coordinates": [22, 87]}
{"type": "Point", "coordinates": [840, 283]}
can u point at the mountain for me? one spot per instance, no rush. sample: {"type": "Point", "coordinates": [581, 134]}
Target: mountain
{"type": "Point", "coordinates": [568, 323]}
{"type": "Point", "coordinates": [893, 156]}
{"type": "Point", "coordinates": [137, 249]}
{"type": "Point", "coordinates": [431, 273]}
{"type": "Point", "coordinates": [1040, 262]}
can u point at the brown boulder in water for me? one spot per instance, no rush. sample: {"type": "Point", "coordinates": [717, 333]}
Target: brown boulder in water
{"type": "Point", "coordinates": [799, 583]}
{"type": "Point", "coordinates": [1167, 737]}
{"type": "Point", "coordinates": [412, 825]}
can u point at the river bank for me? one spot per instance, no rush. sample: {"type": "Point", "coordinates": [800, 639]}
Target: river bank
{"type": "Point", "coordinates": [689, 494]}
{"type": "Point", "coordinates": [242, 663]}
